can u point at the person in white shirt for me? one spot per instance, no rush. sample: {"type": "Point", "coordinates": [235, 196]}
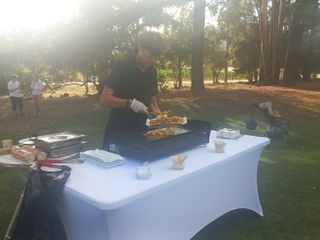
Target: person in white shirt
{"type": "Point", "coordinates": [15, 95]}
{"type": "Point", "coordinates": [37, 87]}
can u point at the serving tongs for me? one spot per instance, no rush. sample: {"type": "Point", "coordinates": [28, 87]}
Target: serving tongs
{"type": "Point", "coordinates": [152, 115]}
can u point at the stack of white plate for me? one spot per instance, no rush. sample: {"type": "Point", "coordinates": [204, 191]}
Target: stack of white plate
{"type": "Point", "coordinates": [103, 158]}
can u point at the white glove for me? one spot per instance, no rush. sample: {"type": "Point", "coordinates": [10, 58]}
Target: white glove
{"type": "Point", "coordinates": [138, 107]}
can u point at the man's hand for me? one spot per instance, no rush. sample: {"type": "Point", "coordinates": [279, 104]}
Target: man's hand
{"type": "Point", "coordinates": [138, 106]}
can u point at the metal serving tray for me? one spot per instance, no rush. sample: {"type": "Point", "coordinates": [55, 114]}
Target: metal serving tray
{"type": "Point", "coordinates": [58, 140]}
{"type": "Point", "coordinates": [135, 145]}
{"type": "Point", "coordinates": [64, 151]}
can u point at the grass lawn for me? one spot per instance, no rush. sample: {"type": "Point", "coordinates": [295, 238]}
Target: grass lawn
{"type": "Point", "coordinates": [288, 174]}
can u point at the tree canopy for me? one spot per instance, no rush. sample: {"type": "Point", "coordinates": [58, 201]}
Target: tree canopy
{"type": "Point", "coordinates": [268, 41]}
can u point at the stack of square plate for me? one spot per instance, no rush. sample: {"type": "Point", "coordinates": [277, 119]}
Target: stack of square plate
{"type": "Point", "coordinates": [103, 158]}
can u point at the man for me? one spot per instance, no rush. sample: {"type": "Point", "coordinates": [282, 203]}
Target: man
{"type": "Point", "coordinates": [37, 87]}
{"type": "Point", "coordinates": [15, 95]}
{"type": "Point", "coordinates": [132, 87]}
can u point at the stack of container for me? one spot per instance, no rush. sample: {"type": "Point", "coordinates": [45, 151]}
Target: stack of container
{"type": "Point", "coordinates": [60, 145]}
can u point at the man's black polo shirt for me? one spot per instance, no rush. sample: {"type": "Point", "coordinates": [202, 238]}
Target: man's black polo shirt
{"type": "Point", "coordinates": [129, 82]}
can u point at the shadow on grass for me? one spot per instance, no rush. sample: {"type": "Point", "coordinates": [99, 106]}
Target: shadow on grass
{"type": "Point", "coordinates": [228, 224]}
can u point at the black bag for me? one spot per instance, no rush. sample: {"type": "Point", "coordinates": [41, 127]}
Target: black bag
{"type": "Point", "coordinates": [251, 124]}
{"type": "Point", "coordinates": [38, 218]}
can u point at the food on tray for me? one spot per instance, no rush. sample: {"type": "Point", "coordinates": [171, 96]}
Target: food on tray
{"type": "Point", "coordinates": [166, 120]}
{"type": "Point", "coordinates": [164, 113]}
{"type": "Point", "coordinates": [32, 150]}
{"type": "Point", "coordinates": [41, 156]}
{"type": "Point", "coordinates": [28, 154]}
{"type": "Point", "coordinates": [4, 151]}
{"type": "Point", "coordinates": [23, 154]}
{"type": "Point", "coordinates": [160, 132]}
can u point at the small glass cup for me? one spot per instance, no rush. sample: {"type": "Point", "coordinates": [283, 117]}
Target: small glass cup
{"type": "Point", "coordinates": [6, 144]}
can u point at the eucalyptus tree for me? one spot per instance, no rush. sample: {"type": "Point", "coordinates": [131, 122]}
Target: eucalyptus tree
{"type": "Point", "coordinates": [85, 45]}
{"type": "Point", "coordinates": [245, 44]}
{"type": "Point", "coordinates": [303, 50]}
{"type": "Point", "coordinates": [7, 60]}
{"type": "Point", "coordinates": [288, 36]}
{"type": "Point", "coordinates": [24, 53]}
{"type": "Point", "coordinates": [246, 52]}
{"type": "Point", "coordinates": [197, 81]}
{"type": "Point", "coordinates": [239, 17]}
{"type": "Point", "coordinates": [104, 31]}
{"type": "Point", "coordinates": [271, 16]}
{"type": "Point", "coordinates": [179, 32]}
{"type": "Point", "coordinates": [145, 6]}
{"type": "Point", "coordinates": [214, 52]}
{"type": "Point", "coordinates": [232, 19]}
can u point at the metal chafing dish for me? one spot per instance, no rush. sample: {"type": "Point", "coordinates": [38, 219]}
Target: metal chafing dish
{"type": "Point", "coordinates": [60, 144]}
{"type": "Point", "coordinates": [136, 145]}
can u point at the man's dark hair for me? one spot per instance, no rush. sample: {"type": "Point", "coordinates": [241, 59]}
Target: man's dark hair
{"type": "Point", "coordinates": [153, 41]}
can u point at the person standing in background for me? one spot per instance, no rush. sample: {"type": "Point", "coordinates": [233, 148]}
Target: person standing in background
{"type": "Point", "coordinates": [37, 87]}
{"type": "Point", "coordinates": [16, 95]}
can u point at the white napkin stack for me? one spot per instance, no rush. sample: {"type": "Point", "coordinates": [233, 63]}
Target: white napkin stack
{"type": "Point", "coordinates": [104, 158]}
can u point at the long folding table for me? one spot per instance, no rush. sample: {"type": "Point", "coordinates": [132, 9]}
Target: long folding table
{"type": "Point", "coordinates": [113, 204]}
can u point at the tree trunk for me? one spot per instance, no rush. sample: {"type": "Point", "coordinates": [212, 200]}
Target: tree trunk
{"type": "Point", "coordinates": [179, 76]}
{"type": "Point", "coordinates": [102, 67]}
{"type": "Point", "coordinates": [278, 14]}
{"type": "Point", "coordinates": [213, 75]}
{"type": "Point", "coordinates": [264, 48]}
{"type": "Point", "coordinates": [226, 59]}
{"type": "Point", "coordinates": [291, 75]}
{"type": "Point", "coordinates": [217, 76]}
{"type": "Point", "coordinates": [309, 62]}
{"type": "Point", "coordinates": [271, 40]}
{"type": "Point", "coordinates": [291, 67]}
{"type": "Point", "coordinates": [197, 82]}
{"type": "Point", "coordinates": [250, 76]}
{"type": "Point", "coordinates": [255, 76]}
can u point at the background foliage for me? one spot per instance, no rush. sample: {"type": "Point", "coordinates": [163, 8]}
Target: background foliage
{"type": "Point", "coordinates": [244, 36]}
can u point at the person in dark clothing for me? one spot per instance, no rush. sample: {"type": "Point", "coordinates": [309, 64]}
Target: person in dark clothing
{"type": "Point", "coordinates": [131, 89]}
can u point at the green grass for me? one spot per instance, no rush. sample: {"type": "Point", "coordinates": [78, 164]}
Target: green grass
{"type": "Point", "coordinates": [288, 173]}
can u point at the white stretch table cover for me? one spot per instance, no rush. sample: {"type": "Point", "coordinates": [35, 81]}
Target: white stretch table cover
{"type": "Point", "coordinates": [112, 204]}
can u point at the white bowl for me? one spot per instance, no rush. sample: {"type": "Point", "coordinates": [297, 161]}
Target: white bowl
{"type": "Point", "coordinates": [143, 172]}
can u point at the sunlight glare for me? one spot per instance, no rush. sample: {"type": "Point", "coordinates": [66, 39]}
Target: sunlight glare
{"type": "Point", "coordinates": [34, 14]}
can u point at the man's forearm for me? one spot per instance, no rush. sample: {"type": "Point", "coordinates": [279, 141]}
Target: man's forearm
{"type": "Point", "coordinates": [154, 106]}
{"type": "Point", "coordinates": [107, 99]}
